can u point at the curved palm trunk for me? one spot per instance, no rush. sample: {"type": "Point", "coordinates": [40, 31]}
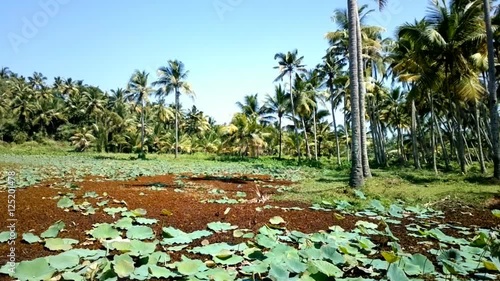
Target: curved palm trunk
{"type": "Point", "coordinates": [337, 142]}
{"type": "Point", "coordinates": [177, 94]}
{"type": "Point", "coordinates": [493, 102]}
{"type": "Point", "coordinates": [294, 121]}
{"type": "Point", "coordinates": [362, 103]}
{"type": "Point", "coordinates": [356, 178]}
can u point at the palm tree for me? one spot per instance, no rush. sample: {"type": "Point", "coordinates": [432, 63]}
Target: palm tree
{"type": "Point", "coordinates": [139, 90]}
{"type": "Point", "coordinates": [278, 104]}
{"type": "Point", "coordinates": [5, 73]}
{"type": "Point", "coordinates": [493, 102]}
{"type": "Point", "coordinates": [357, 177]}
{"type": "Point", "coordinates": [172, 78]}
{"type": "Point", "coordinates": [289, 64]}
{"type": "Point", "coordinates": [330, 71]}
{"type": "Point", "coordinates": [250, 105]}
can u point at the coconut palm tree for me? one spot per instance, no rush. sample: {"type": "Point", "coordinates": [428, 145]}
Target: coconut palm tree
{"type": "Point", "coordinates": [278, 104]}
{"type": "Point", "coordinates": [330, 70]}
{"type": "Point", "coordinates": [290, 64]}
{"type": "Point", "coordinates": [138, 90]}
{"type": "Point", "coordinates": [5, 73]}
{"type": "Point", "coordinates": [171, 79]}
{"type": "Point", "coordinates": [493, 102]}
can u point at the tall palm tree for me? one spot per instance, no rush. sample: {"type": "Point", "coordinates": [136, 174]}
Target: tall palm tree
{"type": "Point", "coordinates": [278, 104]}
{"type": "Point", "coordinates": [493, 102]}
{"type": "Point", "coordinates": [330, 71]}
{"type": "Point", "coordinates": [139, 91]}
{"type": "Point", "coordinates": [290, 64]}
{"type": "Point", "coordinates": [172, 78]}
{"type": "Point", "coordinates": [356, 178]}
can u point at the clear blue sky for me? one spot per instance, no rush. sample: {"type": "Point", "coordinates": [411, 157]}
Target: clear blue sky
{"type": "Point", "coordinates": [228, 45]}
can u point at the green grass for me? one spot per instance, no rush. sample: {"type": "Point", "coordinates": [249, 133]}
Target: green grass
{"type": "Point", "coordinates": [319, 181]}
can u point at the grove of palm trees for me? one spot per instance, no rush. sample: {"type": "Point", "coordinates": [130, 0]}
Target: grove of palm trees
{"type": "Point", "coordinates": [426, 97]}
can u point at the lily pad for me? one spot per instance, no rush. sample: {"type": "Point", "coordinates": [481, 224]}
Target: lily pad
{"type": "Point", "coordinates": [53, 230]}
{"type": "Point", "coordinates": [37, 269]}
{"type": "Point", "coordinates": [31, 238]}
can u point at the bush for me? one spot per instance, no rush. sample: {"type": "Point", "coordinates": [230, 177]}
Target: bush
{"type": "Point", "coordinates": [20, 137]}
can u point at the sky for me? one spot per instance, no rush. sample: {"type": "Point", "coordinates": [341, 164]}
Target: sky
{"type": "Point", "coordinates": [228, 46]}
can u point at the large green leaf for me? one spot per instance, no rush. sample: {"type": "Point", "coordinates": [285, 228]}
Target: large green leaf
{"type": "Point", "coordinates": [65, 202]}
{"type": "Point", "coordinates": [59, 244]}
{"type": "Point", "coordinates": [220, 226]}
{"type": "Point", "coordinates": [4, 236]}
{"type": "Point", "coordinates": [123, 265]}
{"type": "Point", "coordinates": [105, 231]}
{"type": "Point", "coordinates": [278, 272]}
{"type": "Point", "coordinates": [395, 273]}
{"type": "Point", "coordinates": [64, 260]}
{"type": "Point", "coordinates": [53, 230]}
{"type": "Point", "coordinates": [31, 238]}
{"type": "Point", "coordinates": [140, 232]}
{"type": "Point", "coordinates": [35, 270]}
{"type": "Point", "coordinates": [190, 267]}
{"type": "Point", "coordinates": [326, 268]}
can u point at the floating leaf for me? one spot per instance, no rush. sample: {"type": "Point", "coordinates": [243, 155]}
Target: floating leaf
{"type": "Point", "coordinates": [139, 212]}
{"type": "Point", "coordinates": [124, 223]}
{"type": "Point", "coordinates": [220, 226]}
{"type": "Point", "coordinates": [4, 236]}
{"type": "Point", "coordinates": [53, 230]}
{"type": "Point", "coordinates": [65, 202]}
{"type": "Point", "coordinates": [327, 268]}
{"type": "Point", "coordinates": [37, 269]}
{"type": "Point", "coordinates": [140, 233]}
{"type": "Point", "coordinates": [105, 231]}
{"type": "Point", "coordinates": [64, 260]}
{"type": "Point", "coordinates": [278, 272]}
{"type": "Point", "coordinates": [190, 267]}
{"type": "Point", "coordinates": [59, 244]}
{"type": "Point", "coordinates": [160, 272]}
{"type": "Point", "coordinates": [146, 221]}
{"type": "Point", "coordinates": [276, 220]}
{"type": "Point", "coordinates": [395, 273]}
{"type": "Point", "coordinates": [123, 265]}
{"type": "Point", "coordinates": [31, 238]}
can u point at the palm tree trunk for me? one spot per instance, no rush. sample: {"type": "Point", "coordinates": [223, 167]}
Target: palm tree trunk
{"type": "Point", "coordinates": [177, 94]}
{"type": "Point", "coordinates": [356, 178]}
{"type": "Point", "coordinates": [294, 121]}
{"type": "Point", "coordinates": [362, 103]}
{"type": "Point", "coordinates": [142, 129]}
{"type": "Point", "coordinates": [315, 137]}
{"type": "Point", "coordinates": [308, 149]}
{"type": "Point", "coordinates": [433, 137]}
{"type": "Point", "coordinates": [443, 145]}
{"type": "Point", "coordinates": [416, 160]}
{"type": "Point", "coordinates": [461, 144]}
{"type": "Point", "coordinates": [337, 143]}
{"type": "Point", "coordinates": [480, 141]}
{"type": "Point", "coordinates": [493, 102]}
{"type": "Point", "coordinates": [281, 133]}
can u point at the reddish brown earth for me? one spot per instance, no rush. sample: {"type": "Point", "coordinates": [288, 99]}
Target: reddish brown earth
{"type": "Point", "coordinates": [35, 214]}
